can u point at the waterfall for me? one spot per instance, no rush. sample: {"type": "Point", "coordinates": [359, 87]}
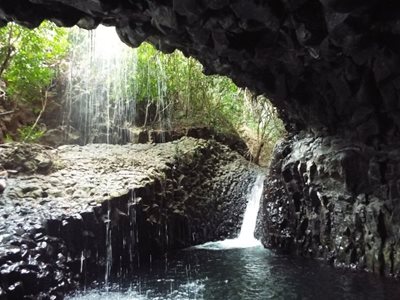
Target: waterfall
{"type": "Point", "coordinates": [111, 87]}
{"type": "Point", "coordinates": [246, 237]}
{"type": "Point", "coordinates": [100, 93]}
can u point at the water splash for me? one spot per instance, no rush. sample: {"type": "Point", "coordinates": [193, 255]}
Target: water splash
{"type": "Point", "coordinates": [177, 291]}
{"type": "Point", "coordinates": [246, 237]}
{"type": "Point", "coordinates": [111, 295]}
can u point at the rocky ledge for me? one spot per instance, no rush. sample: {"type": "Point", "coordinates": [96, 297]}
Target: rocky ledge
{"type": "Point", "coordinates": [117, 135]}
{"type": "Point", "coordinates": [76, 214]}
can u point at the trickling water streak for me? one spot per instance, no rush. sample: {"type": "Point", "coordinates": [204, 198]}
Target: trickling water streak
{"type": "Point", "coordinates": [132, 226]}
{"type": "Point", "coordinates": [166, 234]}
{"type": "Point", "coordinates": [100, 99]}
{"type": "Point", "coordinates": [166, 262]}
{"type": "Point", "coordinates": [162, 107]}
{"type": "Point", "coordinates": [108, 246]}
{"type": "Point", "coordinates": [82, 261]}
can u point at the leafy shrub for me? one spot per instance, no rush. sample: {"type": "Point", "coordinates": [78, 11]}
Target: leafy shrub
{"type": "Point", "coordinates": [30, 134]}
{"type": "Point", "coordinates": [8, 138]}
{"type": "Point", "coordinates": [29, 59]}
{"type": "Point", "coordinates": [177, 84]}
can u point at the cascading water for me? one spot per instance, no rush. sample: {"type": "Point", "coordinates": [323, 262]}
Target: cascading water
{"type": "Point", "coordinates": [104, 81]}
{"type": "Point", "coordinates": [100, 97]}
{"type": "Point", "coordinates": [162, 108]}
{"type": "Point", "coordinates": [100, 102]}
{"type": "Point", "coordinates": [246, 237]}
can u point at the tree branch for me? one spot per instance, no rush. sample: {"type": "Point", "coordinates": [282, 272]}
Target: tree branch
{"type": "Point", "coordinates": [6, 113]}
{"type": "Point", "coordinates": [9, 52]}
{"type": "Point", "coordinates": [44, 103]}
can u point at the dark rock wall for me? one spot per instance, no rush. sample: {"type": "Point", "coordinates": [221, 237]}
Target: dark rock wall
{"type": "Point", "coordinates": [335, 199]}
{"type": "Point", "coordinates": [328, 65]}
{"type": "Point", "coordinates": [198, 198]}
{"type": "Point", "coordinates": [13, 117]}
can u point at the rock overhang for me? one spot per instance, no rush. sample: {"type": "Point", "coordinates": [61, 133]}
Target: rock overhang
{"type": "Point", "coordinates": [330, 66]}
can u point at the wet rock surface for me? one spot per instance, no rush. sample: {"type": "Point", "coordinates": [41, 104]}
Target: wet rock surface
{"type": "Point", "coordinates": [105, 210]}
{"type": "Point", "coordinates": [26, 158]}
{"type": "Point", "coordinates": [117, 135]}
{"type": "Point", "coordinates": [335, 199]}
{"type": "Point", "coordinates": [332, 69]}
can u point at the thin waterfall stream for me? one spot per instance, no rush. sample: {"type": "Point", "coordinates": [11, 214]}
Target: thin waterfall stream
{"type": "Point", "coordinates": [246, 237]}
{"type": "Point", "coordinates": [99, 100]}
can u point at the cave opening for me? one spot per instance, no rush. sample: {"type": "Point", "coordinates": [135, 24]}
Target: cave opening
{"type": "Point", "coordinates": [330, 69]}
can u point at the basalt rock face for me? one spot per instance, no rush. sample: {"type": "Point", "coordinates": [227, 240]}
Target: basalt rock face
{"type": "Point", "coordinates": [328, 65]}
{"type": "Point", "coordinates": [103, 211]}
{"type": "Point", "coordinates": [335, 199]}
{"type": "Point", "coordinates": [332, 69]}
{"type": "Point", "coordinates": [121, 136]}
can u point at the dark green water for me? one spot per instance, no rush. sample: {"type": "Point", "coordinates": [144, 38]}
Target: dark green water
{"type": "Point", "coordinates": [249, 273]}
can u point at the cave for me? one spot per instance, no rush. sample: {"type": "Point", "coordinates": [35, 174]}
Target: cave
{"type": "Point", "coordinates": [329, 67]}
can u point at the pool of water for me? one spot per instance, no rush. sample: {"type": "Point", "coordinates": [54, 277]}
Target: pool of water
{"type": "Point", "coordinates": [243, 273]}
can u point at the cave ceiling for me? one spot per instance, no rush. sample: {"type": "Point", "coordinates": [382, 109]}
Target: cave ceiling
{"type": "Point", "coordinates": [329, 66]}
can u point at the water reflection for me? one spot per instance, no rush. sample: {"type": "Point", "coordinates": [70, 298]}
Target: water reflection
{"type": "Point", "coordinates": [241, 274]}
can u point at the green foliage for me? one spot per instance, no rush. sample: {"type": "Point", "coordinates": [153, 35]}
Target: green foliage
{"type": "Point", "coordinates": [29, 59]}
{"type": "Point", "coordinates": [8, 138]}
{"type": "Point", "coordinates": [170, 90]}
{"type": "Point", "coordinates": [178, 84]}
{"type": "Point", "coordinates": [183, 96]}
{"type": "Point", "coordinates": [29, 134]}
{"type": "Point", "coordinates": [264, 125]}
{"type": "Point", "coordinates": [189, 97]}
